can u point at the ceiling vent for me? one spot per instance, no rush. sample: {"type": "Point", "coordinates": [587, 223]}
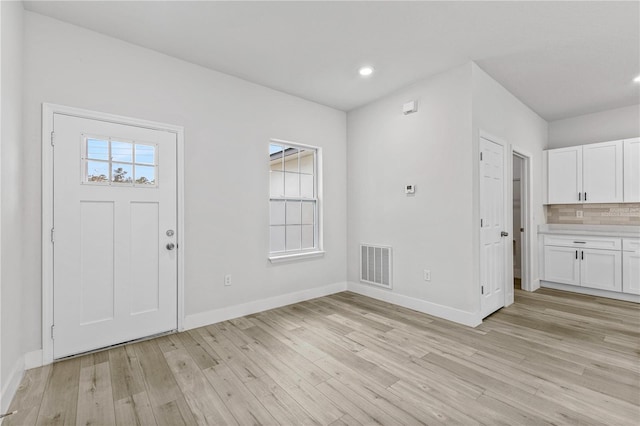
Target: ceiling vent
{"type": "Point", "coordinates": [375, 265]}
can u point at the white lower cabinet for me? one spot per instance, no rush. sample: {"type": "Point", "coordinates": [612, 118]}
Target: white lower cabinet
{"type": "Point", "coordinates": [601, 269]}
{"type": "Point", "coordinates": [631, 272]}
{"type": "Point", "coordinates": [593, 262]}
{"type": "Point", "coordinates": [561, 265]}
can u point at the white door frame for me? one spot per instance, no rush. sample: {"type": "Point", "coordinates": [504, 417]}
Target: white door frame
{"type": "Point", "coordinates": [507, 291]}
{"type": "Point", "coordinates": [528, 236]}
{"type": "Point", "coordinates": [48, 111]}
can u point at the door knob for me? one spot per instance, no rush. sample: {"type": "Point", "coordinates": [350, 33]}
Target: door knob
{"type": "Point", "coordinates": [171, 246]}
{"type": "Point", "coordinates": [504, 234]}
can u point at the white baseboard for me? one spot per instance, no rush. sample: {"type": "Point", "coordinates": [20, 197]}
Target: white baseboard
{"type": "Point", "coordinates": [471, 319]}
{"type": "Point", "coordinates": [223, 314]}
{"type": "Point", "coordinates": [10, 385]}
{"type": "Point", "coordinates": [33, 359]}
{"type": "Point", "coordinates": [592, 291]}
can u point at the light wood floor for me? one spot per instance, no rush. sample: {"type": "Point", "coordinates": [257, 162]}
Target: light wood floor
{"type": "Point", "coordinates": [551, 358]}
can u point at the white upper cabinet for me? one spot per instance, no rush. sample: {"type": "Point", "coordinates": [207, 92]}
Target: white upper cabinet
{"type": "Point", "coordinates": [602, 172]}
{"type": "Point", "coordinates": [594, 173]}
{"type": "Point", "coordinates": [565, 175]}
{"type": "Point", "coordinates": [632, 170]}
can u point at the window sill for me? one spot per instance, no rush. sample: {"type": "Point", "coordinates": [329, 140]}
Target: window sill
{"type": "Point", "coordinates": [296, 256]}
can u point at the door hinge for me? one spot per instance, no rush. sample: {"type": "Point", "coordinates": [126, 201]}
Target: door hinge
{"type": "Point", "coordinates": [53, 137]}
{"type": "Point", "coordinates": [480, 156]}
{"type": "Point", "coordinates": [52, 327]}
{"type": "Point", "coordinates": [52, 234]}
{"type": "Point", "coordinates": [481, 289]}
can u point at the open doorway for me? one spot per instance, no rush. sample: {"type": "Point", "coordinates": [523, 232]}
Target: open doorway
{"type": "Point", "coordinates": [517, 221]}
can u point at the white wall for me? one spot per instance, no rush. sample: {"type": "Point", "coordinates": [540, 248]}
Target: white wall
{"type": "Point", "coordinates": [432, 229]}
{"type": "Point", "coordinates": [11, 210]}
{"type": "Point", "coordinates": [228, 123]}
{"type": "Point", "coordinates": [620, 123]}
{"type": "Point", "coordinates": [498, 112]}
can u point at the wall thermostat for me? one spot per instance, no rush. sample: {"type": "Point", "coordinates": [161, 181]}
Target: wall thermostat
{"type": "Point", "coordinates": [409, 189]}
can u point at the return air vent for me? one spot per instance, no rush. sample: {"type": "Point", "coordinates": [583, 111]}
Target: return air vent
{"type": "Point", "coordinates": [375, 265]}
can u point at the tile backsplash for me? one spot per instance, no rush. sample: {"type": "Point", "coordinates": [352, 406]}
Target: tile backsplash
{"type": "Point", "coordinates": [595, 214]}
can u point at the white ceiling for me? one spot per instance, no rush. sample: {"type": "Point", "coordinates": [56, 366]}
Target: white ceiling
{"type": "Point", "coordinates": [561, 58]}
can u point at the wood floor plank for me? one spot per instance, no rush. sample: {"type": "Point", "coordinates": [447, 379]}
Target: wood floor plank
{"type": "Point", "coordinates": [95, 396]}
{"type": "Point", "coordinates": [205, 404]}
{"type": "Point", "coordinates": [60, 401]}
{"type": "Point", "coordinates": [135, 410]}
{"type": "Point", "coordinates": [345, 359]}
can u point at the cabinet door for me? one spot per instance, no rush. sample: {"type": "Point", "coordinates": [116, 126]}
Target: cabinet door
{"type": "Point", "coordinates": [632, 170]}
{"type": "Point", "coordinates": [601, 269]}
{"type": "Point", "coordinates": [561, 265]}
{"type": "Point", "coordinates": [564, 169]}
{"type": "Point", "coordinates": [602, 172]}
{"type": "Point", "coordinates": [631, 272]}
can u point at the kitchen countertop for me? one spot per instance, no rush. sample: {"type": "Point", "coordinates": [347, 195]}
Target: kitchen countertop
{"type": "Point", "coordinates": [631, 231]}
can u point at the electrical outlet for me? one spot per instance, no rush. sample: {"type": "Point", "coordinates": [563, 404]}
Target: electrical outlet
{"type": "Point", "coordinates": [579, 213]}
{"type": "Point", "coordinates": [227, 279]}
{"type": "Point", "coordinates": [427, 275]}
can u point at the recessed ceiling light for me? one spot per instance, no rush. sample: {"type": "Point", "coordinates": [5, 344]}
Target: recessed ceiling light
{"type": "Point", "coordinates": [365, 71]}
{"type": "Point", "coordinates": [637, 79]}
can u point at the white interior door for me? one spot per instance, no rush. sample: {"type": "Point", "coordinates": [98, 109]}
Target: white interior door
{"type": "Point", "coordinates": [492, 238]}
{"type": "Point", "coordinates": [115, 271]}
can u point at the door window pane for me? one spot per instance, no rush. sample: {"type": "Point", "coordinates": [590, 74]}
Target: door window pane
{"type": "Point", "coordinates": [122, 152]}
{"type": "Point", "coordinates": [97, 171]}
{"type": "Point", "coordinates": [145, 175]}
{"type": "Point", "coordinates": [145, 154]}
{"type": "Point", "coordinates": [97, 149]}
{"type": "Point", "coordinates": [121, 173]}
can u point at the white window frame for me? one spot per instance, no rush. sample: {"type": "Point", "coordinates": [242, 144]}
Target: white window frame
{"type": "Point", "coordinates": [317, 251]}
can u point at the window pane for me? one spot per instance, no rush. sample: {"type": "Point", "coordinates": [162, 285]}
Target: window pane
{"type": "Point", "coordinates": [293, 237]}
{"type": "Point", "coordinates": [275, 157]}
{"type": "Point", "coordinates": [97, 149]}
{"type": "Point", "coordinates": [306, 161]}
{"type": "Point", "coordinates": [97, 171]}
{"type": "Point", "coordinates": [145, 175]}
{"type": "Point", "coordinates": [308, 208]}
{"type": "Point", "coordinates": [122, 151]}
{"type": "Point", "coordinates": [277, 184]}
{"type": "Point", "coordinates": [307, 236]}
{"type": "Point", "coordinates": [291, 160]}
{"type": "Point", "coordinates": [121, 173]}
{"type": "Point", "coordinates": [306, 186]}
{"type": "Point", "coordinates": [276, 238]}
{"type": "Point", "coordinates": [291, 185]}
{"type": "Point", "coordinates": [277, 213]}
{"type": "Point", "coordinates": [145, 154]}
{"type": "Point", "coordinates": [293, 212]}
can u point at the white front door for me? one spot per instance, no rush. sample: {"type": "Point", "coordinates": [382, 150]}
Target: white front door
{"type": "Point", "coordinates": [492, 225]}
{"type": "Point", "coordinates": [115, 269]}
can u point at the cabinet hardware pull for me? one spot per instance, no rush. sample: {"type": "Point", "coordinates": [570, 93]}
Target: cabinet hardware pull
{"type": "Point", "coordinates": [579, 196]}
{"type": "Point", "coordinates": [576, 254]}
{"type": "Point", "coordinates": [585, 196]}
{"type": "Point", "coordinates": [579, 242]}
{"type": "Point", "coordinates": [581, 255]}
